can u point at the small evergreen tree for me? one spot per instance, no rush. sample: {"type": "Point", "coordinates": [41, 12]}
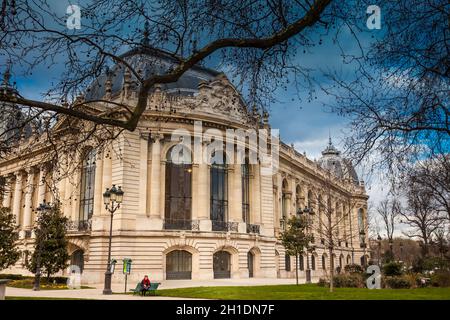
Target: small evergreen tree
{"type": "Point", "coordinates": [296, 238]}
{"type": "Point", "coordinates": [9, 254]}
{"type": "Point", "coordinates": [51, 237]}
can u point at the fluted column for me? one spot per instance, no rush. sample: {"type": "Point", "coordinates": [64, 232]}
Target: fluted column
{"type": "Point", "coordinates": [107, 174]}
{"type": "Point", "coordinates": [255, 195]}
{"type": "Point", "coordinates": [155, 196]}
{"type": "Point", "coordinates": [235, 193]}
{"type": "Point", "coordinates": [98, 181]}
{"type": "Point", "coordinates": [203, 194]}
{"type": "Point", "coordinates": [17, 200]}
{"type": "Point", "coordinates": [29, 188]}
{"type": "Point", "coordinates": [7, 196]}
{"type": "Point", "coordinates": [42, 185]}
{"type": "Point", "coordinates": [68, 198]}
{"type": "Point", "coordinates": [143, 167]}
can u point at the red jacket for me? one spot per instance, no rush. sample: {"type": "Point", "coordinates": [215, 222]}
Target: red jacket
{"type": "Point", "coordinates": [145, 282]}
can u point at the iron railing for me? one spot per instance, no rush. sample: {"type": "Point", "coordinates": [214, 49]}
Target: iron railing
{"type": "Point", "coordinates": [79, 226]}
{"type": "Point", "coordinates": [181, 224]}
{"type": "Point", "coordinates": [224, 226]}
{"type": "Point", "coordinates": [252, 228]}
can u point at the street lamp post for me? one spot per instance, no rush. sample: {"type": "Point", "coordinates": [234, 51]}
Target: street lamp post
{"type": "Point", "coordinates": [42, 209]}
{"type": "Point", "coordinates": [401, 251]}
{"type": "Point", "coordinates": [379, 250]}
{"type": "Point", "coordinates": [308, 211]}
{"type": "Point", "coordinates": [112, 198]}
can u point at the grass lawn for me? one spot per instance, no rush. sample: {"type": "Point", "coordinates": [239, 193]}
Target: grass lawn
{"type": "Point", "coordinates": [306, 292]}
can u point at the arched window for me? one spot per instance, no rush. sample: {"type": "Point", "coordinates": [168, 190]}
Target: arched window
{"type": "Point", "coordinates": [87, 185]}
{"type": "Point", "coordinates": [363, 261]}
{"type": "Point", "coordinates": [219, 191]}
{"type": "Point", "coordinates": [178, 188]}
{"type": "Point", "coordinates": [179, 265]}
{"type": "Point", "coordinates": [313, 262]}
{"type": "Point", "coordinates": [324, 262]}
{"type": "Point", "coordinates": [245, 172]}
{"type": "Point", "coordinates": [284, 200]}
{"type": "Point", "coordinates": [222, 265]}
{"type": "Point", "coordinates": [310, 200]}
{"type": "Point", "coordinates": [287, 262]}
{"type": "Point", "coordinates": [349, 259]}
{"type": "Point", "coordinates": [320, 221]}
{"type": "Point", "coordinates": [301, 263]}
{"type": "Point", "coordinates": [298, 199]}
{"type": "Point", "coordinates": [77, 259]}
{"type": "Point", "coordinates": [341, 261]}
{"type": "Point", "coordinates": [250, 263]}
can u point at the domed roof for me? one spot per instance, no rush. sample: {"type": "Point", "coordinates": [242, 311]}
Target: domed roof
{"type": "Point", "coordinates": [342, 168]}
{"type": "Point", "coordinates": [147, 62]}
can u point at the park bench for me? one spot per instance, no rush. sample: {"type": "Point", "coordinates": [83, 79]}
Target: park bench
{"type": "Point", "coordinates": [153, 287]}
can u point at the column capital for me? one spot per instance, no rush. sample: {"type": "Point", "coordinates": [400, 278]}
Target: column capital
{"type": "Point", "coordinates": [156, 136]}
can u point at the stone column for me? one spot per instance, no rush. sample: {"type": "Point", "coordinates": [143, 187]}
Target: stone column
{"type": "Point", "coordinates": [76, 192]}
{"type": "Point", "coordinates": [67, 199]}
{"type": "Point", "coordinates": [98, 184]}
{"type": "Point", "coordinates": [203, 196]}
{"type": "Point", "coordinates": [143, 174]}
{"type": "Point", "coordinates": [17, 199]}
{"type": "Point", "coordinates": [155, 197]}
{"type": "Point", "coordinates": [255, 195]}
{"type": "Point", "coordinates": [235, 196]}
{"type": "Point", "coordinates": [107, 175]}
{"type": "Point", "coordinates": [7, 195]}
{"type": "Point", "coordinates": [42, 185]}
{"type": "Point", "coordinates": [29, 188]}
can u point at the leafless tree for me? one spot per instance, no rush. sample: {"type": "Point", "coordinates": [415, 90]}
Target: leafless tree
{"type": "Point", "coordinates": [333, 226]}
{"type": "Point", "coordinates": [388, 209]}
{"type": "Point", "coordinates": [420, 214]}
{"type": "Point", "coordinates": [433, 174]}
{"type": "Point", "coordinates": [398, 100]}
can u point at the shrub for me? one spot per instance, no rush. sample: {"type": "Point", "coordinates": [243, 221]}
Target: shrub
{"type": "Point", "coordinates": [392, 269]}
{"type": "Point", "coordinates": [323, 283]}
{"type": "Point", "coordinates": [58, 280]}
{"type": "Point", "coordinates": [398, 282]}
{"type": "Point", "coordinates": [348, 281]}
{"type": "Point", "coordinates": [440, 279]}
{"type": "Point", "coordinates": [353, 268]}
{"type": "Point", "coordinates": [11, 276]}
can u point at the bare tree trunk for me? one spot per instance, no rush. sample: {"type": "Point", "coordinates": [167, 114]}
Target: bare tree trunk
{"type": "Point", "coordinates": [296, 268]}
{"type": "Point", "coordinates": [330, 250]}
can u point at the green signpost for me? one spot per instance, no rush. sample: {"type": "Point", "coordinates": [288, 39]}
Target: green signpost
{"type": "Point", "coordinates": [126, 270]}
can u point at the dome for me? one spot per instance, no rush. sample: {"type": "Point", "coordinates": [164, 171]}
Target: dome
{"type": "Point", "coordinates": [342, 168]}
{"type": "Point", "coordinates": [147, 62]}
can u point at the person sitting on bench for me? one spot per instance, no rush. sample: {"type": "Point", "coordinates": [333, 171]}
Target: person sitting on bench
{"type": "Point", "coordinates": [145, 285]}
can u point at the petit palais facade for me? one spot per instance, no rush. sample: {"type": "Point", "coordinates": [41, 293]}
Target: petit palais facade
{"type": "Point", "coordinates": [184, 220]}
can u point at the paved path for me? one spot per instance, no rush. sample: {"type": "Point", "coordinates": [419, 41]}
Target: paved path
{"type": "Point", "coordinates": [96, 292]}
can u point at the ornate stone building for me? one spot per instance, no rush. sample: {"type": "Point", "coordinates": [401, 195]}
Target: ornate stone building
{"type": "Point", "coordinates": [187, 220]}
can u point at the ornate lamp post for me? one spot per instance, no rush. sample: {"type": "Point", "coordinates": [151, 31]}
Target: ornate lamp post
{"type": "Point", "coordinates": [310, 212]}
{"type": "Point", "coordinates": [112, 198]}
{"type": "Point", "coordinates": [379, 250]}
{"type": "Point", "coordinates": [42, 209]}
{"type": "Point", "coordinates": [401, 251]}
